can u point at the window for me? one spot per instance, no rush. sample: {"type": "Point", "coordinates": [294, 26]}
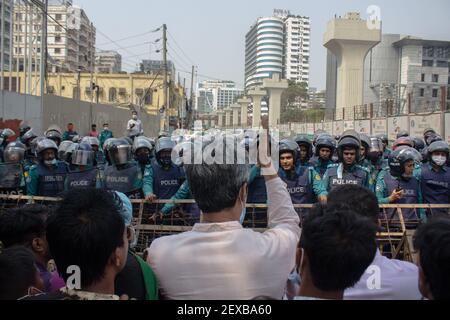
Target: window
{"type": "Point", "coordinates": [58, 16]}
{"type": "Point", "coordinates": [422, 78]}
{"type": "Point", "coordinates": [435, 78]}
{"type": "Point", "coordinates": [149, 98]}
{"type": "Point", "coordinates": [422, 92]}
{"type": "Point", "coordinates": [441, 64]}
{"type": "Point", "coordinates": [57, 39]}
{"type": "Point", "coordinates": [57, 50]}
{"type": "Point", "coordinates": [435, 93]}
{"type": "Point", "coordinates": [440, 52]}
{"type": "Point", "coordinates": [448, 92]}
{"type": "Point", "coordinates": [427, 63]}
{"type": "Point", "coordinates": [428, 51]}
{"type": "Point", "coordinates": [58, 29]}
{"type": "Point", "coordinates": [448, 80]}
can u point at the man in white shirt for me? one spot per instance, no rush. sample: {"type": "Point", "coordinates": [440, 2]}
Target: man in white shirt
{"type": "Point", "coordinates": [219, 259]}
{"type": "Point", "coordinates": [134, 126]}
{"type": "Point", "coordinates": [385, 279]}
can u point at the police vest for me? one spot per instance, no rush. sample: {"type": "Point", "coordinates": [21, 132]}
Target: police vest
{"type": "Point", "coordinates": [319, 165]}
{"type": "Point", "coordinates": [358, 177]}
{"type": "Point", "coordinates": [10, 179]}
{"type": "Point", "coordinates": [257, 192]}
{"type": "Point", "coordinates": [436, 188]}
{"type": "Point", "coordinates": [410, 188]}
{"type": "Point", "coordinates": [166, 182]}
{"type": "Point", "coordinates": [124, 180]}
{"type": "Point", "coordinates": [300, 189]}
{"type": "Point", "coordinates": [51, 180]}
{"type": "Point", "coordinates": [82, 179]}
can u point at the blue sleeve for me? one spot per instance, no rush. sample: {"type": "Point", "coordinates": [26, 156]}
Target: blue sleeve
{"type": "Point", "coordinates": [323, 185]}
{"type": "Point", "coordinates": [32, 182]}
{"type": "Point", "coordinates": [381, 191]}
{"type": "Point", "coordinates": [316, 181]}
{"type": "Point", "coordinates": [182, 194]}
{"type": "Point", "coordinates": [254, 172]}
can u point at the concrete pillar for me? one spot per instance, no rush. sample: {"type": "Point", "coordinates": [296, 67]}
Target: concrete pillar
{"type": "Point", "coordinates": [257, 94]}
{"type": "Point", "coordinates": [236, 108]}
{"type": "Point", "coordinates": [220, 119]}
{"type": "Point", "coordinates": [227, 118]}
{"type": "Point", "coordinates": [275, 87]}
{"type": "Point", "coordinates": [350, 39]}
{"type": "Point", "coordinates": [244, 102]}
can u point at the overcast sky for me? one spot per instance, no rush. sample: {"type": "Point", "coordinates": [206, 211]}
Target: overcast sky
{"type": "Point", "coordinates": [211, 33]}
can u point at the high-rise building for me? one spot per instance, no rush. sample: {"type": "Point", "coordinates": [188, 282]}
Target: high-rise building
{"type": "Point", "coordinates": [157, 66]}
{"type": "Point", "coordinates": [278, 44]}
{"type": "Point", "coordinates": [399, 72]}
{"type": "Point", "coordinates": [213, 95]}
{"type": "Point", "coordinates": [108, 62]}
{"type": "Point", "coordinates": [5, 34]}
{"type": "Point", "coordinates": [70, 36]}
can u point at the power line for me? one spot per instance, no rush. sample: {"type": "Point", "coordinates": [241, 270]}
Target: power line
{"type": "Point", "coordinates": [174, 51]}
{"type": "Point", "coordinates": [172, 37]}
{"type": "Point", "coordinates": [132, 37]}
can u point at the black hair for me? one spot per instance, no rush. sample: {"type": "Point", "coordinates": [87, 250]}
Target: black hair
{"type": "Point", "coordinates": [18, 272]}
{"type": "Point", "coordinates": [21, 225]}
{"type": "Point", "coordinates": [363, 201]}
{"type": "Point", "coordinates": [432, 240]}
{"type": "Point", "coordinates": [340, 246]}
{"type": "Point", "coordinates": [85, 231]}
{"type": "Point", "coordinates": [70, 124]}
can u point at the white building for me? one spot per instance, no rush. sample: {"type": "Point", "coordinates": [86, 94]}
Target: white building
{"type": "Point", "coordinates": [278, 44]}
{"type": "Point", "coordinates": [5, 34]}
{"type": "Point", "coordinates": [70, 38]}
{"type": "Point", "coordinates": [108, 62]}
{"type": "Point", "coordinates": [213, 95]}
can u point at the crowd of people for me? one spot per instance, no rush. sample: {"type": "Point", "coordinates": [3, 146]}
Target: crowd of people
{"type": "Point", "coordinates": [327, 252]}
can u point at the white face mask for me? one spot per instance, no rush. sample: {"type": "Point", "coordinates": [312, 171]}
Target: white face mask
{"type": "Point", "coordinates": [51, 162]}
{"type": "Point", "coordinates": [135, 117]}
{"type": "Point", "coordinates": [439, 160]}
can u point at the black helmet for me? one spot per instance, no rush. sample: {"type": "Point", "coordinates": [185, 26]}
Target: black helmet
{"type": "Point", "coordinates": [376, 149]}
{"type": "Point", "coordinates": [428, 132]}
{"type": "Point", "coordinates": [119, 152]}
{"type": "Point", "coordinates": [438, 146]}
{"type": "Point", "coordinates": [46, 144]}
{"type": "Point", "coordinates": [419, 144]}
{"type": "Point", "coordinates": [317, 134]}
{"type": "Point", "coordinates": [54, 135]}
{"type": "Point", "coordinates": [28, 137]}
{"type": "Point", "coordinates": [398, 158]}
{"type": "Point", "coordinates": [14, 152]}
{"type": "Point", "coordinates": [83, 155]}
{"type": "Point", "coordinates": [63, 149]}
{"type": "Point", "coordinates": [5, 134]}
{"type": "Point", "coordinates": [402, 134]}
{"type": "Point", "coordinates": [34, 144]}
{"type": "Point", "coordinates": [366, 143]}
{"type": "Point", "coordinates": [384, 138]}
{"type": "Point", "coordinates": [349, 139]}
{"type": "Point", "coordinates": [92, 141]}
{"type": "Point", "coordinates": [290, 146]}
{"type": "Point", "coordinates": [325, 141]}
{"type": "Point", "coordinates": [303, 140]}
{"type": "Point", "coordinates": [433, 138]}
{"type": "Point", "coordinates": [403, 141]}
{"type": "Point", "coordinates": [24, 128]}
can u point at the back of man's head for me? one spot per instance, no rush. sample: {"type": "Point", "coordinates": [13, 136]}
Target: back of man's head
{"type": "Point", "coordinates": [85, 231]}
{"type": "Point", "coordinates": [21, 225]}
{"type": "Point", "coordinates": [432, 241]}
{"type": "Point", "coordinates": [18, 273]}
{"type": "Point", "coordinates": [339, 245]}
{"type": "Point", "coordinates": [360, 200]}
{"type": "Point", "coordinates": [216, 183]}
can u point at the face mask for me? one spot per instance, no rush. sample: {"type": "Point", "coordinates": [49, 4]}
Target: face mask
{"type": "Point", "coordinates": [51, 162]}
{"type": "Point", "coordinates": [135, 117]}
{"type": "Point", "coordinates": [166, 162]}
{"type": "Point", "coordinates": [243, 213]}
{"type": "Point", "coordinates": [143, 158]}
{"type": "Point", "coordinates": [132, 244]}
{"type": "Point", "coordinates": [439, 160]}
{"type": "Point", "coordinates": [105, 128]}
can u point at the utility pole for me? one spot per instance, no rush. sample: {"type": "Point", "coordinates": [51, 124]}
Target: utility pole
{"type": "Point", "coordinates": [191, 104]}
{"type": "Point", "coordinates": [43, 71]}
{"type": "Point", "coordinates": [2, 39]}
{"type": "Point", "coordinates": [166, 107]}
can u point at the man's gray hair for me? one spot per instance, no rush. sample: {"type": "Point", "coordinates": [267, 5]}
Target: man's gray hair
{"type": "Point", "coordinates": [215, 185]}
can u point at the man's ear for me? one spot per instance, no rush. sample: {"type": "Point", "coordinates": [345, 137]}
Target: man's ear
{"type": "Point", "coordinates": [243, 193]}
{"type": "Point", "coordinates": [424, 285]}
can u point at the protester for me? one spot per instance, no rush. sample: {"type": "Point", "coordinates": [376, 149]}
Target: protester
{"type": "Point", "coordinates": [94, 133]}
{"type": "Point", "coordinates": [105, 135]}
{"type": "Point", "coordinates": [70, 133]}
{"type": "Point", "coordinates": [134, 126]}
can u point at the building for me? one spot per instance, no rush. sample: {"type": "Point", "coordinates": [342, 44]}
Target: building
{"type": "Point", "coordinates": [213, 95]}
{"type": "Point", "coordinates": [316, 98]}
{"type": "Point", "coordinates": [278, 44]}
{"type": "Point", "coordinates": [108, 62]}
{"type": "Point", "coordinates": [70, 38]}
{"type": "Point", "coordinates": [157, 66]}
{"type": "Point", "coordinates": [119, 89]}
{"type": "Point", "coordinates": [5, 34]}
{"type": "Point", "coordinates": [401, 74]}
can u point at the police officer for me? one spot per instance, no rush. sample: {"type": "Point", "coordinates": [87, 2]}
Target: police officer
{"type": "Point", "coordinates": [163, 178]}
{"type": "Point", "coordinates": [375, 156]}
{"type": "Point", "coordinates": [99, 157]}
{"type": "Point", "coordinates": [27, 139]}
{"type": "Point", "coordinates": [24, 128]}
{"type": "Point", "coordinates": [324, 150]}
{"type": "Point", "coordinates": [306, 149]}
{"type": "Point", "coordinates": [347, 171]}
{"type": "Point", "coordinates": [365, 148]}
{"type": "Point", "coordinates": [54, 133]}
{"type": "Point", "coordinates": [124, 174]}
{"type": "Point", "coordinates": [398, 185]}
{"type": "Point", "coordinates": [65, 151]}
{"type": "Point", "coordinates": [84, 174]}
{"type": "Point", "coordinates": [435, 177]}
{"type": "Point", "coordinates": [402, 134]}
{"type": "Point", "coordinates": [5, 135]}
{"type": "Point", "coordinates": [386, 150]}
{"type": "Point", "coordinates": [428, 133]}
{"type": "Point", "coordinates": [302, 182]}
{"type": "Point", "coordinates": [47, 178]}
{"type": "Point", "coordinates": [142, 151]}
{"type": "Point", "coordinates": [403, 141]}
{"type": "Point", "coordinates": [12, 174]}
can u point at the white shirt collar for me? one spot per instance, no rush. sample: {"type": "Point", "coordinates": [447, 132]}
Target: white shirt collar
{"type": "Point", "coordinates": [217, 227]}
